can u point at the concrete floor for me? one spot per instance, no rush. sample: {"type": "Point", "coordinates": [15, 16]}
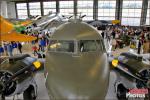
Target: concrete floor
{"type": "Point", "coordinates": [41, 90]}
{"type": "Point", "coordinates": [43, 95]}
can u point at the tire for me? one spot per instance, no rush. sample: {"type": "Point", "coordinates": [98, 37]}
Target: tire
{"type": "Point", "coordinates": [121, 92]}
{"type": "Point", "coordinates": [2, 97]}
{"type": "Point", "coordinates": [29, 94]}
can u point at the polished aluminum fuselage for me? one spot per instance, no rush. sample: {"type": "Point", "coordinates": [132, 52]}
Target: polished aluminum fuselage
{"type": "Point", "coordinates": [76, 75]}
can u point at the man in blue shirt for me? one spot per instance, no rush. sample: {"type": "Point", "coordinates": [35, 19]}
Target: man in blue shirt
{"type": "Point", "coordinates": [1, 50]}
{"type": "Point", "coordinates": [43, 44]}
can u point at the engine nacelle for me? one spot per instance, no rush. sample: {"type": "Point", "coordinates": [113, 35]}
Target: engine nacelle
{"type": "Point", "coordinates": [146, 74]}
{"type": "Point", "coordinates": [16, 75]}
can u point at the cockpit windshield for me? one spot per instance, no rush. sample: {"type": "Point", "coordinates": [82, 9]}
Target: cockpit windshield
{"type": "Point", "coordinates": [83, 46]}
{"type": "Point", "coordinates": [61, 46]}
{"type": "Point", "coordinates": [87, 46]}
{"type": "Point", "coordinates": [91, 46]}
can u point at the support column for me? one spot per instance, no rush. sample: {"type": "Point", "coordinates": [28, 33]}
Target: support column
{"type": "Point", "coordinates": [95, 9]}
{"type": "Point", "coordinates": [3, 9]}
{"type": "Point", "coordinates": [16, 10]}
{"type": "Point", "coordinates": [75, 8]}
{"type": "Point", "coordinates": [42, 10]}
{"type": "Point", "coordinates": [11, 10]}
{"type": "Point", "coordinates": [57, 6]}
{"type": "Point", "coordinates": [144, 12]}
{"type": "Point", "coordinates": [119, 6]}
{"type": "Point", "coordinates": [28, 10]}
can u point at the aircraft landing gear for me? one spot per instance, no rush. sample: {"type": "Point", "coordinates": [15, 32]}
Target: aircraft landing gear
{"type": "Point", "coordinates": [121, 92]}
{"type": "Point", "coordinates": [2, 97]}
{"type": "Point", "coordinates": [29, 94]}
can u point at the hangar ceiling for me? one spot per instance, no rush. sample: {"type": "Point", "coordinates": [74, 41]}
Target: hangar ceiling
{"type": "Point", "coordinates": [13, 0]}
{"type": "Point", "coordinates": [27, 0]}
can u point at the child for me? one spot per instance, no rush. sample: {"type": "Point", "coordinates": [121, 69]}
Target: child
{"type": "Point", "coordinates": [34, 49]}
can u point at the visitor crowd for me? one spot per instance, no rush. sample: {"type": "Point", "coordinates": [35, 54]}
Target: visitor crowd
{"type": "Point", "coordinates": [122, 36]}
{"type": "Point", "coordinates": [7, 48]}
{"type": "Point", "coordinates": [38, 45]}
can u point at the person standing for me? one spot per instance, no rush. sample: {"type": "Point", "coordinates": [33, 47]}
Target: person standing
{"type": "Point", "coordinates": [20, 47]}
{"type": "Point", "coordinates": [34, 49]}
{"type": "Point", "coordinates": [146, 46]}
{"type": "Point", "coordinates": [1, 51]}
{"type": "Point", "coordinates": [139, 46]}
{"type": "Point", "coordinates": [114, 44]}
{"type": "Point", "coordinates": [113, 34]}
{"type": "Point", "coordinates": [14, 47]}
{"type": "Point", "coordinates": [102, 34]}
{"type": "Point", "coordinates": [39, 43]}
{"type": "Point", "coordinates": [9, 50]}
{"type": "Point", "coordinates": [5, 49]}
{"type": "Point", "coordinates": [43, 44]}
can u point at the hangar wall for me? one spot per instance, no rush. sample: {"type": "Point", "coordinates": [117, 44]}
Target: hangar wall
{"type": "Point", "coordinates": [11, 10]}
{"type": "Point", "coordinates": [3, 11]}
{"type": "Point", "coordinates": [7, 9]}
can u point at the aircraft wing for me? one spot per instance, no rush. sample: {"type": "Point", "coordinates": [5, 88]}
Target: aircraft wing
{"type": "Point", "coordinates": [115, 21]}
{"type": "Point", "coordinates": [25, 23]}
{"type": "Point", "coordinates": [8, 27]}
{"type": "Point", "coordinates": [14, 36]}
{"type": "Point", "coordinates": [5, 26]}
{"type": "Point", "coordinates": [8, 31]}
{"type": "Point", "coordinates": [103, 22]}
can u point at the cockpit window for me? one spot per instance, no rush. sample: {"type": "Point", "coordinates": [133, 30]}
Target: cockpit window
{"type": "Point", "coordinates": [53, 45]}
{"type": "Point", "coordinates": [61, 46]}
{"type": "Point", "coordinates": [87, 46]}
{"type": "Point", "coordinates": [101, 46]}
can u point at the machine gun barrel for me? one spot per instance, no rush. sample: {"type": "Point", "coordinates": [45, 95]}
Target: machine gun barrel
{"type": "Point", "coordinates": [18, 73]}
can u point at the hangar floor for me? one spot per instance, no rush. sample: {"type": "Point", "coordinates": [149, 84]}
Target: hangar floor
{"type": "Point", "coordinates": [42, 91]}
{"type": "Point", "coordinates": [43, 95]}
